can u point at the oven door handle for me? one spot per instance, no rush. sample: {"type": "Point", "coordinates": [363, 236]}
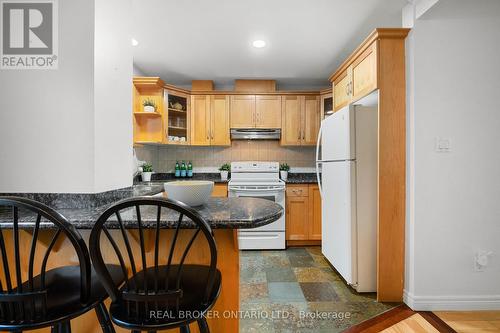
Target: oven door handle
{"type": "Point", "coordinates": [256, 190]}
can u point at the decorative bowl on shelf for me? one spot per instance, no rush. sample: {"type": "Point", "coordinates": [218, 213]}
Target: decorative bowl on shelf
{"type": "Point", "coordinates": [177, 106]}
{"type": "Point", "coordinates": [190, 192]}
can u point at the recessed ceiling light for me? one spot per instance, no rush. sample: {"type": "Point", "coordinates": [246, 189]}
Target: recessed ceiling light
{"type": "Point", "coordinates": [259, 43]}
{"type": "Point", "coordinates": [134, 42]}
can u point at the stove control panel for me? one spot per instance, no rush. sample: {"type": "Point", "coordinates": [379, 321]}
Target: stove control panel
{"type": "Point", "coordinates": [255, 167]}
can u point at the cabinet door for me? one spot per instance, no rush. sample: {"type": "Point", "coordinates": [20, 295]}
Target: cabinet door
{"type": "Point", "coordinates": [364, 73]}
{"type": "Point", "coordinates": [296, 218]}
{"type": "Point", "coordinates": [290, 120]}
{"type": "Point", "coordinates": [220, 191]}
{"type": "Point", "coordinates": [341, 92]}
{"type": "Point", "coordinates": [200, 120]}
{"type": "Point", "coordinates": [314, 213]}
{"type": "Point", "coordinates": [268, 111]}
{"type": "Point", "coordinates": [311, 119]}
{"type": "Point", "coordinates": [219, 117]}
{"type": "Point", "coordinates": [242, 111]}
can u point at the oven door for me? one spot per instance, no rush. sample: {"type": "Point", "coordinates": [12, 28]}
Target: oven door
{"type": "Point", "coordinates": [267, 193]}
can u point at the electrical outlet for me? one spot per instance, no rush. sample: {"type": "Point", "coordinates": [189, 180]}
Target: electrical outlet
{"type": "Point", "coordinates": [481, 260]}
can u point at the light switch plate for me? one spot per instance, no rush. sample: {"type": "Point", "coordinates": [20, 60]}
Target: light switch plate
{"type": "Point", "coordinates": [443, 145]}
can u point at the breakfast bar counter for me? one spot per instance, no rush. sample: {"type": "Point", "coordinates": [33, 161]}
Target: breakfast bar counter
{"type": "Point", "coordinates": [224, 215]}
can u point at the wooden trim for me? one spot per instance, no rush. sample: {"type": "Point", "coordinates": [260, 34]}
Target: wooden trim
{"type": "Point", "coordinates": [396, 315]}
{"type": "Point", "coordinates": [383, 321]}
{"type": "Point", "coordinates": [177, 90]}
{"type": "Point", "coordinates": [275, 93]}
{"type": "Point", "coordinates": [292, 243]}
{"type": "Point", "coordinates": [325, 91]}
{"type": "Point", "coordinates": [379, 33]}
{"type": "Point", "coordinates": [391, 170]}
{"type": "Point", "coordinates": [437, 322]}
{"type": "Point", "coordinates": [204, 85]}
{"type": "Point", "coordinates": [146, 81]}
{"type": "Point", "coordinates": [255, 86]}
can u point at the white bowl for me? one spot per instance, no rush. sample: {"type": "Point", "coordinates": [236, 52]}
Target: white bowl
{"type": "Point", "coordinates": [190, 192]}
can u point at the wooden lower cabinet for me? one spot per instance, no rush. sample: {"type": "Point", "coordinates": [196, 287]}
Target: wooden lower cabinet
{"type": "Point", "coordinates": [314, 213]}
{"type": "Point", "coordinates": [220, 190]}
{"type": "Point", "coordinates": [303, 214]}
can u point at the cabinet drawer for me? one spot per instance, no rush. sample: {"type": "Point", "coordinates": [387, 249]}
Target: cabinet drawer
{"type": "Point", "coordinates": [297, 191]}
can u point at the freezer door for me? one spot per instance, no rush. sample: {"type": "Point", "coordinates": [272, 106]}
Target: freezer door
{"type": "Point", "coordinates": [338, 242]}
{"type": "Point", "coordinates": [338, 136]}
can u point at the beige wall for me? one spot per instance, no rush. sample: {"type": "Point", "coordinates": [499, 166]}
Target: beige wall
{"type": "Point", "coordinates": [163, 158]}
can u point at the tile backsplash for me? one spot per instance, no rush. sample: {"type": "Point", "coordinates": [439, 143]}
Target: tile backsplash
{"type": "Point", "coordinates": [210, 158]}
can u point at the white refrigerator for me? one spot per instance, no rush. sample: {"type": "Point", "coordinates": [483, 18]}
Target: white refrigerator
{"type": "Point", "coordinates": [346, 156]}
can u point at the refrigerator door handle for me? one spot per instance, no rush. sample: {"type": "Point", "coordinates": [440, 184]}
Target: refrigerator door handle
{"type": "Point", "coordinates": [318, 161]}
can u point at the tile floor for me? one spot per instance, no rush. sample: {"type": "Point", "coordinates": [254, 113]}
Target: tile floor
{"type": "Point", "coordinates": [297, 291]}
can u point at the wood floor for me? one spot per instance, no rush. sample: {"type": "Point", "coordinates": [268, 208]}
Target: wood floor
{"type": "Point", "coordinates": [404, 320]}
{"type": "Point", "coordinates": [473, 321]}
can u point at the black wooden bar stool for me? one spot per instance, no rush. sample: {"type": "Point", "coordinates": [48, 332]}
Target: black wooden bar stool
{"type": "Point", "coordinates": [46, 298]}
{"type": "Point", "coordinates": [181, 292]}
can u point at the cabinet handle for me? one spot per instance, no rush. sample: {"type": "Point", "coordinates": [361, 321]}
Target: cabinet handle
{"type": "Point", "coordinates": [212, 132]}
{"type": "Point", "coordinates": [300, 134]}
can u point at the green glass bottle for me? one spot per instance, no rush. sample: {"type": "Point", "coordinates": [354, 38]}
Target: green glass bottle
{"type": "Point", "coordinates": [190, 170]}
{"type": "Point", "coordinates": [177, 169]}
{"type": "Point", "coordinates": [183, 169]}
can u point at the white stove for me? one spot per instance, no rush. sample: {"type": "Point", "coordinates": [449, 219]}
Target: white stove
{"type": "Point", "coordinates": [259, 180]}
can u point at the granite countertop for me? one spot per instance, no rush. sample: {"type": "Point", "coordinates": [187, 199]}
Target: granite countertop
{"type": "Point", "coordinates": [160, 178]}
{"type": "Point", "coordinates": [157, 178]}
{"type": "Point", "coordinates": [225, 213]}
{"type": "Point", "coordinates": [302, 178]}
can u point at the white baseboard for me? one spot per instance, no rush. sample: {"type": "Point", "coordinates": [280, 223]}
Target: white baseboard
{"type": "Point", "coordinates": [451, 303]}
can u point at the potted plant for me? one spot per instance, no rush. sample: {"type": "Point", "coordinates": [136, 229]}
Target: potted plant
{"type": "Point", "coordinates": [149, 105]}
{"type": "Point", "coordinates": [284, 168]}
{"type": "Point", "coordinates": [147, 171]}
{"type": "Point", "coordinates": [224, 171]}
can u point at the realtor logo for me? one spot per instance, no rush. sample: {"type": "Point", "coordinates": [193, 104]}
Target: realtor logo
{"type": "Point", "coordinates": [29, 38]}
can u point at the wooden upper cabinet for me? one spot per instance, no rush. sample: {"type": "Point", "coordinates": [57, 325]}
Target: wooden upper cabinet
{"type": "Point", "coordinates": [291, 120]}
{"type": "Point", "coordinates": [301, 118]}
{"type": "Point", "coordinates": [311, 120]}
{"type": "Point", "coordinates": [242, 111]}
{"type": "Point", "coordinates": [200, 123]}
{"type": "Point", "coordinates": [210, 120]}
{"type": "Point", "coordinates": [358, 79]}
{"type": "Point", "coordinates": [219, 129]}
{"type": "Point", "coordinates": [267, 111]}
{"type": "Point", "coordinates": [364, 73]}
{"type": "Point", "coordinates": [314, 213]}
{"type": "Point", "coordinates": [341, 90]}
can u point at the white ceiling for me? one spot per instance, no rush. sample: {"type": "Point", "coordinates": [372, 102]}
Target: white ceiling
{"type": "Point", "coordinates": [182, 40]}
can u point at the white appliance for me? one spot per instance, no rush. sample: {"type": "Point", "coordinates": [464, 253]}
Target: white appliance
{"type": "Point", "coordinates": [259, 180]}
{"type": "Point", "coordinates": [348, 187]}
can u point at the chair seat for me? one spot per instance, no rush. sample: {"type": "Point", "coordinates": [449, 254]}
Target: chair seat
{"type": "Point", "coordinates": [193, 283]}
{"type": "Point", "coordinates": [63, 293]}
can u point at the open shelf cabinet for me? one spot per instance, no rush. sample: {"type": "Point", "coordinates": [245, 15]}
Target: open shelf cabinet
{"type": "Point", "coordinates": [149, 127]}
{"type": "Point", "coordinates": [171, 116]}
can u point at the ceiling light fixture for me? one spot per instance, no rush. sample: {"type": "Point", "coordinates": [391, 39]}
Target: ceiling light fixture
{"type": "Point", "coordinates": [259, 43]}
{"type": "Point", "coordinates": [134, 42]}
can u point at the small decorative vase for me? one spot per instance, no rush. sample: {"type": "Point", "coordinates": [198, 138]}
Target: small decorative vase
{"type": "Point", "coordinates": [284, 175]}
{"type": "Point", "coordinates": [146, 176]}
{"type": "Point", "coordinates": [223, 175]}
{"type": "Point", "coordinates": [149, 108]}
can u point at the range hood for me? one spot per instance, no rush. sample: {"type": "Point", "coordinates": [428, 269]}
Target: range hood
{"type": "Point", "coordinates": [255, 134]}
